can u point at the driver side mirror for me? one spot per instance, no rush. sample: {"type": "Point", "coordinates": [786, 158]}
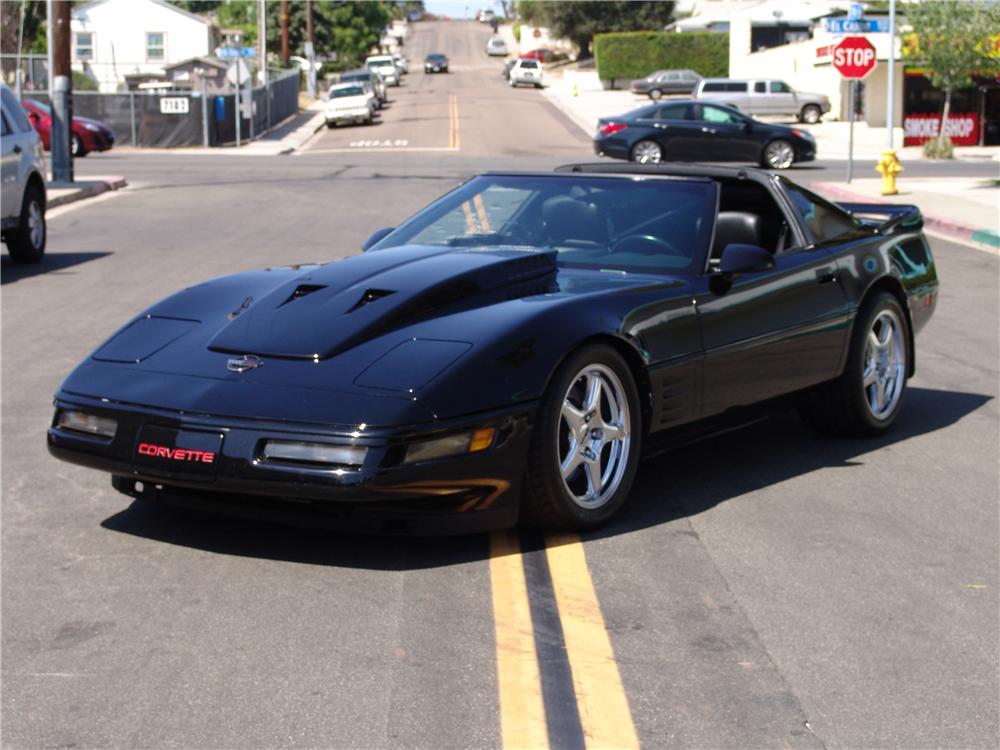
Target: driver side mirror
{"type": "Point", "coordinates": [375, 236]}
{"type": "Point", "coordinates": [740, 258]}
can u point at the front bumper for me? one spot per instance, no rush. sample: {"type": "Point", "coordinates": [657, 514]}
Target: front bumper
{"type": "Point", "coordinates": [470, 492]}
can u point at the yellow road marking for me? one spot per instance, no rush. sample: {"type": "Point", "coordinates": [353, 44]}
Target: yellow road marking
{"type": "Point", "coordinates": [453, 139]}
{"type": "Point", "coordinates": [470, 220]}
{"type": "Point", "coordinates": [522, 710]}
{"type": "Point", "coordinates": [600, 696]}
{"type": "Point", "coordinates": [484, 220]}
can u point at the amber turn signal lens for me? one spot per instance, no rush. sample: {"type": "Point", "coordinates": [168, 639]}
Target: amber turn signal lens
{"type": "Point", "coordinates": [482, 439]}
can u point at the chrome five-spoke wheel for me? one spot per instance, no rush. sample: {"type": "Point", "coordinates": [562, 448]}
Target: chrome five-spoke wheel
{"type": "Point", "coordinates": [884, 364]}
{"type": "Point", "coordinates": [593, 439]}
{"type": "Point", "coordinates": [647, 152]}
{"type": "Point", "coordinates": [779, 155]}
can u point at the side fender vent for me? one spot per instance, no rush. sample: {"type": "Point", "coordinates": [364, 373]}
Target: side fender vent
{"type": "Point", "coordinates": [371, 295]}
{"type": "Point", "coordinates": [301, 291]}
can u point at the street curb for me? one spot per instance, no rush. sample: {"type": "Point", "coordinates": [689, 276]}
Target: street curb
{"type": "Point", "coordinates": [985, 237]}
{"type": "Point", "coordinates": [77, 191]}
{"type": "Point", "coordinates": [314, 125]}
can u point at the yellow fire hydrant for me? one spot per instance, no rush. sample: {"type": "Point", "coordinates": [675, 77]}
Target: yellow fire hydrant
{"type": "Point", "coordinates": [888, 166]}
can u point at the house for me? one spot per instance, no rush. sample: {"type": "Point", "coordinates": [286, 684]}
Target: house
{"type": "Point", "coordinates": [206, 74]}
{"type": "Point", "coordinates": [112, 39]}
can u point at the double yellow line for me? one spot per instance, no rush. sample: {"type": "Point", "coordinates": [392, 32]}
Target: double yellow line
{"type": "Point", "coordinates": [454, 142]}
{"type": "Point", "coordinates": [605, 717]}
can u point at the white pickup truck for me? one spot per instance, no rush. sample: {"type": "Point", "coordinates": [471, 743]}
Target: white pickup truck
{"type": "Point", "coordinates": [758, 96]}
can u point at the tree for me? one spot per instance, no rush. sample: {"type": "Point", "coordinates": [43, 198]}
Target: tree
{"type": "Point", "coordinates": [953, 39]}
{"type": "Point", "coordinates": [34, 26]}
{"type": "Point", "coordinates": [349, 28]}
{"type": "Point", "coordinates": [579, 21]}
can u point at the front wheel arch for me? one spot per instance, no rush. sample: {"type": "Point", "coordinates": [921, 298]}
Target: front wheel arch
{"type": "Point", "coordinates": [892, 286]}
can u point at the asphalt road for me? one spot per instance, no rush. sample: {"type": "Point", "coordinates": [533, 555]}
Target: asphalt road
{"type": "Point", "coordinates": [770, 588]}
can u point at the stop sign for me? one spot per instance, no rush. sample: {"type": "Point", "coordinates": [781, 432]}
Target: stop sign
{"type": "Point", "coordinates": [854, 57]}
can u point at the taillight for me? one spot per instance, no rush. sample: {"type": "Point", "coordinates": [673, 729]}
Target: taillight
{"type": "Point", "coordinates": [613, 127]}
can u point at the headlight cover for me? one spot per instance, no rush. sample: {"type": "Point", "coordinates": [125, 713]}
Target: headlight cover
{"type": "Point", "coordinates": [88, 424]}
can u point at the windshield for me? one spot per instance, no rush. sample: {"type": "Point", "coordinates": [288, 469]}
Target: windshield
{"type": "Point", "coordinates": [38, 105]}
{"type": "Point", "coordinates": [619, 223]}
{"type": "Point", "coordinates": [346, 91]}
{"type": "Point", "coordinates": [380, 63]}
{"type": "Point", "coordinates": [366, 76]}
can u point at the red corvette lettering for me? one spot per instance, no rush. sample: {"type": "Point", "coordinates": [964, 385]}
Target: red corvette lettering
{"type": "Point", "coordinates": [176, 454]}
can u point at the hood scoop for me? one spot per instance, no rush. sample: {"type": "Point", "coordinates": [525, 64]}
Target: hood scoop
{"type": "Point", "coordinates": [338, 306]}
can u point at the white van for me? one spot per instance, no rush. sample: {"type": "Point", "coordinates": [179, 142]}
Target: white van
{"type": "Point", "coordinates": [385, 66]}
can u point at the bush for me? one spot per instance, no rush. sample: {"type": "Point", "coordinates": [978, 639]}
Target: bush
{"type": "Point", "coordinates": [628, 55]}
{"type": "Point", "coordinates": [516, 31]}
{"type": "Point", "coordinates": [939, 148]}
{"type": "Point", "coordinates": [83, 82]}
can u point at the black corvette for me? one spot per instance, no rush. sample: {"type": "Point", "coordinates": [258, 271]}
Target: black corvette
{"type": "Point", "coordinates": [686, 130]}
{"type": "Point", "coordinates": [509, 352]}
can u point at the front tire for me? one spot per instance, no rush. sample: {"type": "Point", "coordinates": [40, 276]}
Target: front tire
{"type": "Point", "coordinates": [26, 244]}
{"type": "Point", "coordinates": [810, 114]}
{"type": "Point", "coordinates": [585, 447]}
{"type": "Point", "coordinates": [76, 147]}
{"type": "Point", "coordinates": [646, 152]}
{"type": "Point", "coordinates": [778, 154]}
{"type": "Point", "coordinates": [655, 95]}
{"type": "Point", "coordinates": [868, 397]}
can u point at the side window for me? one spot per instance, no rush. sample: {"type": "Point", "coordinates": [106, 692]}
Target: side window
{"type": "Point", "coordinates": [17, 121]}
{"type": "Point", "coordinates": [674, 112]}
{"type": "Point", "coordinates": [717, 114]}
{"type": "Point", "coordinates": [155, 45]}
{"type": "Point", "coordinates": [83, 45]}
{"type": "Point", "coordinates": [824, 220]}
{"type": "Point", "coordinates": [740, 87]}
{"type": "Point", "coordinates": [760, 87]}
{"type": "Point", "coordinates": [780, 87]}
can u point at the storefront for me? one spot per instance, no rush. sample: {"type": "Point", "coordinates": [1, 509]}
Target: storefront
{"type": "Point", "coordinates": [975, 112]}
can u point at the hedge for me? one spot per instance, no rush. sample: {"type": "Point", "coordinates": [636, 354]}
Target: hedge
{"type": "Point", "coordinates": [628, 55]}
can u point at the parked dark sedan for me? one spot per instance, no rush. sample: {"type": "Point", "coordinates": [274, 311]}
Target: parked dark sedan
{"type": "Point", "coordinates": [655, 85]}
{"type": "Point", "coordinates": [700, 131]}
{"type": "Point", "coordinates": [373, 79]}
{"type": "Point", "coordinates": [87, 134]}
{"type": "Point", "coordinates": [436, 63]}
{"type": "Point", "coordinates": [510, 351]}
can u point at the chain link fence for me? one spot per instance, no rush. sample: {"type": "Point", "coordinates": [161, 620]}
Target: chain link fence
{"type": "Point", "coordinates": [172, 119]}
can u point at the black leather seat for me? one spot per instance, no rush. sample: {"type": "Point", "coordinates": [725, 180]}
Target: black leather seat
{"type": "Point", "coordinates": [570, 221]}
{"type": "Point", "coordinates": [736, 227]}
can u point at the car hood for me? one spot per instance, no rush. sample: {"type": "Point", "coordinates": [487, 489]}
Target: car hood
{"type": "Point", "coordinates": [77, 120]}
{"type": "Point", "coordinates": [327, 311]}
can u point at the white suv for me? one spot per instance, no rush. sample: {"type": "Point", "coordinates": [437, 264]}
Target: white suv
{"type": "Point", "coordinates": [526, 71]}
{"type": "Point", "coordinates": [385, 66]}
{"type": "Point", "coordinates": [349, 102]}
{"type": "Point", "coordinates": [23, 173]}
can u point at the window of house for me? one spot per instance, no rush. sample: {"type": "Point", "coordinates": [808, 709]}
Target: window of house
{"type": "Point", "coordinates": [83, 46]}
{"type": "Point", "coordinates": [155, 45]}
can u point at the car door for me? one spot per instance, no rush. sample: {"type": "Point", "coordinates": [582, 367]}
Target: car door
{"type": "Point", "coordinates": [781, 98]}
{"type": "Point", "coordinates": [676, 131]}
{"type": "Point", "coordinates": [726, 134]}
{"type": "Point", "coordinates": [774, 331]}
{"type": "Point", "coordinates": [9, 168]}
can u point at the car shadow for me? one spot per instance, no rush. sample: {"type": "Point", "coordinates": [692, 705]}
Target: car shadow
{"type": "Point", "coordinates": [683, 483]}
{"type": "Point", "coordinates": [50, 263]}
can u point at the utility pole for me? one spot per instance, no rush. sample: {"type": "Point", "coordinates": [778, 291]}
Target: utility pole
{"type": "Point", "coordinates": [62, 96]}
{"type": "Point", "coordinates": [891, 75]}
{"type": "Point", "coordinates": [262, 59]}
{"type": "Point", "coordinates": [283, 20]}
{"type": "Point", "coordinates": [310, 49]}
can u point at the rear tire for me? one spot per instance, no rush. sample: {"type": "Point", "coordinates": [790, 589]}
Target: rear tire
{"type": "Point", "coordinates": [26, 244]}
{"type": "Point", "coordinates": [646, 152]}
{"type": "Point", "coordinates": [585, 446]}
{"type": "Point", "coordinates": [867, 398]}
{"type": "Point", "coordinates": [655, 95]}
{"type": "Point", "coordinates": [810, 114]}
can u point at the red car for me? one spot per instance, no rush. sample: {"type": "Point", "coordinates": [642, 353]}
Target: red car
{"type": "Point", "coordinates": [542, 55]}
{"type": "Point", "coordinates": [88, 135]}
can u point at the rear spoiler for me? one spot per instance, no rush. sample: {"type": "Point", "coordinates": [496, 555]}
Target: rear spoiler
{"type": "Point", "coordinates": [887, 218]}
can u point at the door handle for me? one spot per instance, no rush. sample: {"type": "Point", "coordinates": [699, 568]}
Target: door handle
{"type": "Point", "coordinates": [17, 149]}
{"type": "Point", "coordinates": [826, 276]}
{"type": "Point", "coordinates": [709, 130]}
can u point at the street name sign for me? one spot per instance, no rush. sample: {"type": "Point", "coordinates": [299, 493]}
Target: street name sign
{"type": "Point", "coordinates": [854, 58]}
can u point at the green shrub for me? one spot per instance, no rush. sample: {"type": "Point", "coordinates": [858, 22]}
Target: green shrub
{"type": "Point", "coordinates": [516, 31]}
{"type": "Point", "coordinates": [628, 55]}
{"type": "Point", "coordinates": [939, 149]}
{"type": "Point", "coordinates": [83, 82]}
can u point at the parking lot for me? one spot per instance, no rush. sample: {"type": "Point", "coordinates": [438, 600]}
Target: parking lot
{"type": "Point", "coordinates": [767, 588]}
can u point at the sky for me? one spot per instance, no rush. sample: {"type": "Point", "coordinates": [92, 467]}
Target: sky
{"type": "Point", "coordinates": [457, 8]}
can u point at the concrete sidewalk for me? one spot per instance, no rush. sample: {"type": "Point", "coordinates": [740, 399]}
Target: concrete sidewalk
{"type": "Point", "coordinates": [63, 193]}
{"type": "Point", "coordinates": [964, 208]}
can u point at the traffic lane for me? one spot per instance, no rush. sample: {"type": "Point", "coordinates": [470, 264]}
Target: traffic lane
{"type": "Point", "coordinates": [118, 621]}
{"type": "Point", "coordinates": [774, 577]}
